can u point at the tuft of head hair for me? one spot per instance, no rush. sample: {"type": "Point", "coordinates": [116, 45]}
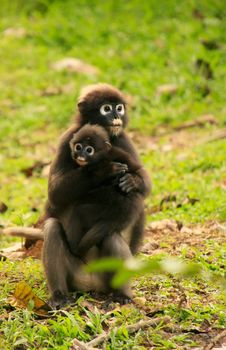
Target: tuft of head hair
{"type": "Point", "coordinates": [92, 131]}
{"type": "Point", "coordinates": [100, 91]}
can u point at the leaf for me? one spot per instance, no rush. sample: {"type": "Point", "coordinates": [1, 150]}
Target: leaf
{"type": "Point", "coordinates": [173, 265]}
{"type": "Point", "coordinates": [107, 264]}
{"type": "Point", "coordinates": [24, 297]}
{"type": "Point", "coordinates": [121, 277]}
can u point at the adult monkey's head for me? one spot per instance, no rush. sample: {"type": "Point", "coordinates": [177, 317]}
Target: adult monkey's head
{"type": "Point", "coordinates": [104, 105]}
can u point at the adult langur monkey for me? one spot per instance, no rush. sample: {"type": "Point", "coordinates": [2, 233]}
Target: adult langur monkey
{"type": "Point", "coordinates": [105, 106]}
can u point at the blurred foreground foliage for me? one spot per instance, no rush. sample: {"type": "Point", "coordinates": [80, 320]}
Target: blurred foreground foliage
{"type": "Point", "coordinates": [134, 267]}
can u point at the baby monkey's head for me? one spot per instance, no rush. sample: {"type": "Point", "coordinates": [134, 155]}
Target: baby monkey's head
{"type": "Point", "coordinates": [89, 145]}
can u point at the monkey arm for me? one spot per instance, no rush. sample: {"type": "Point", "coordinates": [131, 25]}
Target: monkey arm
{"type": "Point", "coordinates": [143, 181]}
{"type": "Point", "coordinates": [69, 186]}
{"type": "Point", "coordinates": [137, 178]}
{"type": "Point", "coordinates": [120, 156]}
{"type": "Point", "coordinates": [62, 188]}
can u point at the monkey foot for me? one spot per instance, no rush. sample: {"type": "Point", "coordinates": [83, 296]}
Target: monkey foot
{"type": "Point", "coordinates": [58, 300]}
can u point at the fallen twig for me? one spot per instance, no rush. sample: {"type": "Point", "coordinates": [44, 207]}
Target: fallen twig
{"type": "Point", "coordinates": [215, 340]}
{"type": "Point", "coordinates": [79, 345]}
{"type": "Point", "coordinates": [219, 135]}
{"type": "Point", "coordinates": [26, 232]}
{"type": "Point", "coordinates": [105, 336]}
{"type": "Point", "coordinates": [198, 122]}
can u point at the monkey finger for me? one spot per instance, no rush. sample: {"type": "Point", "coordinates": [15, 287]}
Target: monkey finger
{"type": "Point", "coordinates": [122, 170]}
{"type": "Point", "coordinates": [118, 165]}
{"type": "Point", "coordinates": [126, 177]}
{"type": "Point", "coordinates": [127, 189]}
{"type": "Point", "coordinates": [122, 184]}
{"type": "Point", "coordinates": [127, 185]}
{"type": "Point", "coordinates": [126, 181]}
{"type": "Point", "coordinates": [119, 171]}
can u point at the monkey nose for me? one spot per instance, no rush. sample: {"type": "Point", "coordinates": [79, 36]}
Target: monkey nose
{"type": "Point", "coordinates": [117, 122]}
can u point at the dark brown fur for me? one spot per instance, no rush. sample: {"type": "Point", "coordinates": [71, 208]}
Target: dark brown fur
{"type": "Point", "coordinates": [66, 185]}
{"type": "Point", "coordinates": [105, 209]}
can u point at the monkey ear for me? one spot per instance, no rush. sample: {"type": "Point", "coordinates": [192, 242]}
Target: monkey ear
{"type": "Point", "coordinates": [108, 144]}
{"type": "Point", "coordinates": [80, 105]}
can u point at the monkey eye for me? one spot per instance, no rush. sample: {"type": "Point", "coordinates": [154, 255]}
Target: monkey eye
{"type": "Point", "coordinates": [89, 150]}
{"type": "Point", "coordinates": [120, 109]}
{"type": "Point", "coordinates": [78, 147]}
{"type": "Point", "coordinates": [105, 109]}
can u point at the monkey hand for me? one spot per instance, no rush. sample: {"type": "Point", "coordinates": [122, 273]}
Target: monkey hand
{"type": "Point", "coordinates": [118, 169]}
{"type": "Point", "coordinates": [128, 183]}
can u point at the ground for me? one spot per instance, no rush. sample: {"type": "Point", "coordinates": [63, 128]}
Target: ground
{"type": "Point", "coordinates": [169, 59]}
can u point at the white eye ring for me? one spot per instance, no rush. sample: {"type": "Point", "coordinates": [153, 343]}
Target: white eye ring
{"type": "Point", "coordinates": [89, 150]}
{"type": "Point", "coordinates": [120, 109]}
{"type": "Point", "coordinates": [78, 147]}
{"type": "Point", "coordinates": [105, 109]}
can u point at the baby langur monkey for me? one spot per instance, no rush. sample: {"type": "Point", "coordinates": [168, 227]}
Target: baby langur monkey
{"type": "Point", "coordinates": [97, 224]}
{"type": "Point", "coordinates": [106, 208]}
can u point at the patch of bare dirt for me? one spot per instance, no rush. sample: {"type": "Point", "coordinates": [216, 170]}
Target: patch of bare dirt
{"type": "Point", "coordinates": [170, 235]}
{"type": "Point", "coordinates": [18, 251]}
{"type": "Point", "coordinates": [75, 65]}
{"type": "Point", "coordinates": [17, 33]}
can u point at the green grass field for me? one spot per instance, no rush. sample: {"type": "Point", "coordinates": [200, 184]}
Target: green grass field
{"type": "Point", "coordinates": [138, 46]}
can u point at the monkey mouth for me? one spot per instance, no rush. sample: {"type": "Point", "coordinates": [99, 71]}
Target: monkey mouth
{"type": "Point", "coordinates": [81, 162]}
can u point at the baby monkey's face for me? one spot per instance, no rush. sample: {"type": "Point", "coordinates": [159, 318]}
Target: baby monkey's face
{"type": "Point", "coordinates": [89, 145]}
{"type": "Point", "coordinates": [83, 153]}
{"type": "Point", "coordinates": [88, 151]}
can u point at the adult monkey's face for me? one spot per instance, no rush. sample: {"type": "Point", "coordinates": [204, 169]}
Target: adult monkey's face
{"type": "Point", "coordinates": [104, 105]}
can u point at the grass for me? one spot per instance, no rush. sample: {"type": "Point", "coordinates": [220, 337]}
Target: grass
{"type": "Point", "coordinates": [137, 46]}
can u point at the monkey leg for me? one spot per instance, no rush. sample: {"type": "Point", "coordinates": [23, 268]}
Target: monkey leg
{"type": "Point", "coordinates": [115, 246]}
{"type": "Point", "coordinates": [71, 226]}
{"type": "Point", "coordinates": [94, 236]}
{"type": "Point", "coordinates": [64, 271]}
{"type": "Point", "coordinates": [58, 263]}
{"type": "Point", "coordinates": [137, 233]}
